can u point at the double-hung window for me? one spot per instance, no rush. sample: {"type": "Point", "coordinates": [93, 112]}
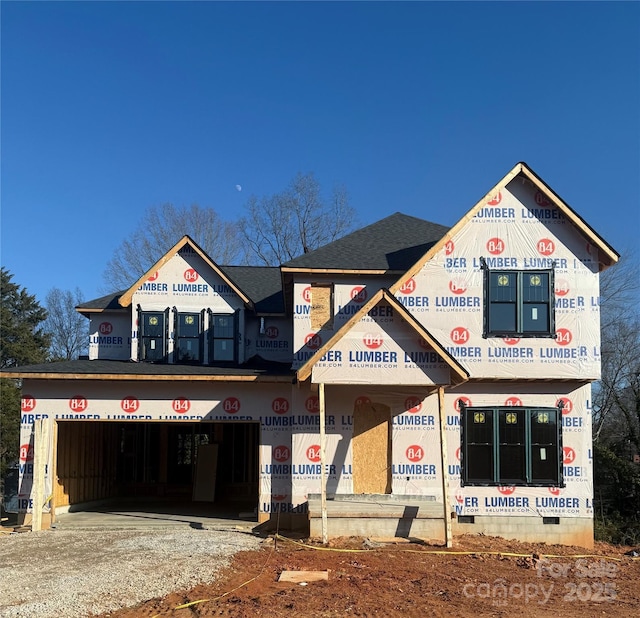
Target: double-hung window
{"type": "Point", "coordinates": [189, 337]}
{"type": "Point", "coordinates": [511, 445]}
{"type": "Point", "coordinates": [519, 303]}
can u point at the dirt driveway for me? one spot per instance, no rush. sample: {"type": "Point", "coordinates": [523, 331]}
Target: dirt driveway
{"type": "Point", "coordinates": [480, 576]}
{"type": "Point", "coordinates": [73, 573]}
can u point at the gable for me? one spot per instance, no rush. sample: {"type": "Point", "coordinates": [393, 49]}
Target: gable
{"type": "Point", "coordinates": [188, 282]}
{"type": "Point", "coordinates": [544, 198]}
{"type": "Point", "coordinates": [382, 344]}
{"type": "Point", "coordinates": [185, 275]}
{"type": "Point", "coordinates": [520, 230]}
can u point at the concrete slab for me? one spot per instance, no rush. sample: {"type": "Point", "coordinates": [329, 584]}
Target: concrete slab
{"type": "Point", "coordinates": [144, 515]}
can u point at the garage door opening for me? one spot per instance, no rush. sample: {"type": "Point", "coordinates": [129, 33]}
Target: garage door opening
{"type": "Point", "coordinates": [209, 468]}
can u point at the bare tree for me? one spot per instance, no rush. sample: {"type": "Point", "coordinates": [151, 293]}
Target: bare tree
{"type": "Point", "coordinates": [617, 394]}
{"type": "Point", "coordinates": [616, 408]}
{"type": "Point", "coordinates": [620, 291]}
{"type": "Point", "coordinates": [617, 400]}
{"type": "Point", "coordinates": [69, 331]}
{"type": "Point", "coordinates": [160, 229]}
{"type": "Point", "coordinates": [279, 227]}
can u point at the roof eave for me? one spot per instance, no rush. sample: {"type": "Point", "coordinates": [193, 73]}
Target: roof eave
{"type": "Point", "coordinates": [128, 377]}
{"type": "Point", "coordinates": [611, 255]}
{"type": "Point", "coordinates": [341, 271]}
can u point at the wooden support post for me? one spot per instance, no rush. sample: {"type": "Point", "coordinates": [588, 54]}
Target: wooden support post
{"type": "Point", "coordinates": [54, 472]}
{"type": "Point", "coordinates": [40, 451]}
{"type": "Point", "coordinates": [448, 536]}
{"type": "Point", "coordinates": [323, 473]}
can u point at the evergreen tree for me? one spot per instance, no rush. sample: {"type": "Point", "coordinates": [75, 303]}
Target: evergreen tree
{"type": "Point", "coordinates": [22, 342]}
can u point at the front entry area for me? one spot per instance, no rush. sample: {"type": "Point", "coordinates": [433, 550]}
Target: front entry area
{"type": "Point", "coordinates": [185, 466]}
{"type": "Point", "coordinates": [371, 448]}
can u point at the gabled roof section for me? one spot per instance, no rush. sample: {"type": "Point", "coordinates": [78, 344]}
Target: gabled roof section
{"type": "Point", "coordinates": [521, 169]}
{"type": "Point", "coordinates": [458, 373]}
{"type": "Point", "coordinates": [391, 244]}
{"type": "Point", "coordinates": [125, 299]}
{"type": "Point", "coordinates": [263, 285]}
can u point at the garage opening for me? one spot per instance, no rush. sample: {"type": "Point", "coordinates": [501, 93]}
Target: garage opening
{"type": "Point", "coordinates": [192, 466]}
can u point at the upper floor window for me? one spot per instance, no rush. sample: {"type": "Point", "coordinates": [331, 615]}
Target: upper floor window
{"type": "Point", "coordinates": [222, 337]}
{"type": "Point", "coordinates": [189, 338]}
{"type": "Point", "coordinates": [519, 303]}
{"type": "Point", "coordinates": [152, 335]}
{"type": "Point", "coordinates": [511, 445]}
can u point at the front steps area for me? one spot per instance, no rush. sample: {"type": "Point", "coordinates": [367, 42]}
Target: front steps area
{"type": "Point", "coordinates": [378, 515]}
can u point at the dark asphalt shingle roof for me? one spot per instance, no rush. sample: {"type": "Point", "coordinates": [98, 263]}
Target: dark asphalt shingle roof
{"type": "Point", "coordinates": [394, 243]}
{"type": "Point", "coordinates": [77, 368]}
{"type": "Point", "coordinates": [108, 302]}
{"type": "Point", "coordinates": [262, 284]}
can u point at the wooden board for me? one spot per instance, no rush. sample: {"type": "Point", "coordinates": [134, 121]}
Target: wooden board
{"type": "Point", "coordinates": [296, 577]}
{"type": "Point", "coordinates": [371, 446]}
{"type": "Point", "coordinates": [321, 307]}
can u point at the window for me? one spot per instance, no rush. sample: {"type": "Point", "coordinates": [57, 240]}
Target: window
{"type": "Point", "coordinates": [152, 335]}
{"type": "Point", "coordinates": [222, 337]}
{"type": "Point", "coordinates": [511, 445]}
{"type": "Point", "coordinates": [519, 303]}
{"type": "Point", "coordinates": [188, 338]}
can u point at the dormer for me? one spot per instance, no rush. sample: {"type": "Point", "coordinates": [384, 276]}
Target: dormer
{"type": "Point", "coordinates": [186, 310]}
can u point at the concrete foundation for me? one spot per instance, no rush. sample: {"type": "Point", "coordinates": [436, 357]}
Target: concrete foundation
{"type": "Point", "coordinates": [569, 531]}
{"type": "Point", "coordinates": [422, 517]}
{"type": "Point", "coordinates": [383, 515]}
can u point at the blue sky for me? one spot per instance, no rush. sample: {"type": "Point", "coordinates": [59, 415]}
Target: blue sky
{"type": "Point", "coordinates": [109, 108]}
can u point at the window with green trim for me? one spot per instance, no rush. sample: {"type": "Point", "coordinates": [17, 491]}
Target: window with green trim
{"type": "Point", "coordinates": [519, 303]}
{"type": "Point", "coordinates": [511, 445]}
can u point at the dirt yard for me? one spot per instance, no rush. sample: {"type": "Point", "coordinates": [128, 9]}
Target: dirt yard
{"type": "Point", "coordinates": [479, 576]}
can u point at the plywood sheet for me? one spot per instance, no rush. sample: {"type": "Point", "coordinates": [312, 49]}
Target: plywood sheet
{"type": "Point", "coordinates": [371, 449]}
{"type": "Point", "coordinates": [321, 310]}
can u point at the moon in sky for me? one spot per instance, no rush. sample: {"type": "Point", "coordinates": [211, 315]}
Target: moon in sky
{"type": "Point", "coordinates": [238, 188]}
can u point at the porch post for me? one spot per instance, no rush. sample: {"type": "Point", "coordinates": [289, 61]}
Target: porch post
{"type": "Point", "coordinates": [448, 536]}
{"type": "Point", "coordinates": [323, 456]}
{"type": "Point", "coordinates": [40, 450]}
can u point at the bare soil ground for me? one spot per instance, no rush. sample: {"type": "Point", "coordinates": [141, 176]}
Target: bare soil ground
{"type": "Point", "coordinates": [479, 576]}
